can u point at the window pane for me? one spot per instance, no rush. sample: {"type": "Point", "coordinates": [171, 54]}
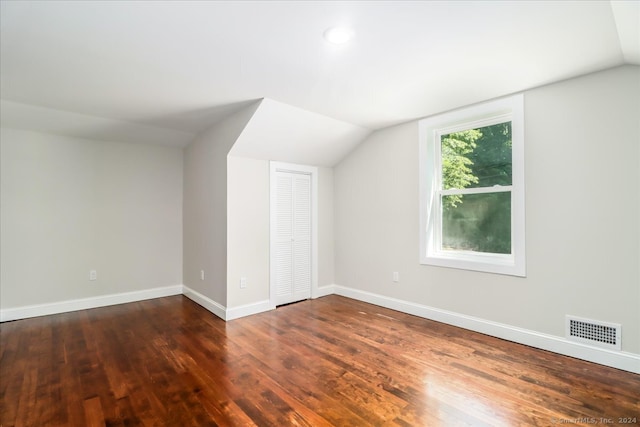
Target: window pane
{"type": "Point", "coordinates": [477, 157]}
{"type": "Point", "coordinates": [477, 222]}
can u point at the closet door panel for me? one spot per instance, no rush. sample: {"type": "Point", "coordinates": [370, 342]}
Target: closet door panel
{"type": "Point", "coordinates": [293, 237]}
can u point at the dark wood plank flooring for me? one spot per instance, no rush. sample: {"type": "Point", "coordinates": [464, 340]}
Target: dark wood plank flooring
{"type": "Point", "coordinates": [326, 362]}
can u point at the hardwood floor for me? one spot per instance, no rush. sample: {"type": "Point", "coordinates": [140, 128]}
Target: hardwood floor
{"type": "Point", "coordinates": [330, 361]}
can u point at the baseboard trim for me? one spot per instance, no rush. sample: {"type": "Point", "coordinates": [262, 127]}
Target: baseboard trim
{"type": "Point", "coordinates": [37, 310]}
{"type": "Point", "coordinates": [249, 309]}
{"type": "Point", "coordinates": [323, 291]}
{"type": "Point", "coordinates": [206, 302]}
{"type": "Point", "coordinates": [616, 359]}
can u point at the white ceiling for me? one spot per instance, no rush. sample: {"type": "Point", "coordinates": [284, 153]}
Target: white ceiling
{"type": "Point", "coordinates": [176, 67]}
{"type": "Point", "coordinates": [324, 140]}
{"type": "Point", "coordinates": [48, 120]}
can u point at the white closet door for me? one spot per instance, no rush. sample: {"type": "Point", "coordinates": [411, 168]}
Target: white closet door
{"type": "Point", "coordinates": [293, 237]}
{"type": "Point", "coordinates": [301, 237]}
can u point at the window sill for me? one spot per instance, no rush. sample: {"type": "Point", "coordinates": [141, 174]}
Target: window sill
{"type": "Point", "coordinates": [473, 261]}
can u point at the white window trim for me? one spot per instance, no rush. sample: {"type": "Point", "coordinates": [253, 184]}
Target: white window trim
{"type": "Point", "coordinates": [492, 112]}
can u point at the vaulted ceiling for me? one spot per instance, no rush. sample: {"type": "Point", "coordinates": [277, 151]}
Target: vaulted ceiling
{"type": "Point", "coordinates": [166, 70]}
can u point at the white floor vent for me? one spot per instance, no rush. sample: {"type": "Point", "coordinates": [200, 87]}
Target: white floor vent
{"type": "Point", "coordinates": [594, 332]}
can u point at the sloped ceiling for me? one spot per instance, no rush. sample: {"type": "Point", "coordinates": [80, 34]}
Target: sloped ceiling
{"type": "Point", "coordinates": [627, 17]}
{"type": "Point", "coordinates": [49, 120]}
{"type": "Point", "coordinates": [136, 70]}
{"type": "Point", "coordinates": [281, 132]}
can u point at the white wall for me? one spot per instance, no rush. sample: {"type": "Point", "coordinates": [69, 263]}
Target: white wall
{"type": "Point", "coordinates": [226, 220]}
{"type": "Point", "coordinates": [70, 205]}
{"type": "Point", "coordinates": [582, 141]}
{"type": "Point", "coordinates": [205, 206]}
{"type": "Point", "coordinates": [248, 230]}
{"type": "Point", "coordinates": [326, 255]}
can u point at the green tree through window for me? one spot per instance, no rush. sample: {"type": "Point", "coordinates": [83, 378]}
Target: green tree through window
{"type": "Point", "coordinates": [477, 159]}
{"type": "Point", "coordinates": [457, 163]}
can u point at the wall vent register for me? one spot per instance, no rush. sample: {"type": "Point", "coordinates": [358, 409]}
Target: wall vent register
{"type": "Point", "coordinates": [593, 332]}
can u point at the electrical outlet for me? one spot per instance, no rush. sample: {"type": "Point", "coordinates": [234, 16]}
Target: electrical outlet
{"type": "Point", "coordinates": [396, 276]}
{"type": "Point", "coordinates": [93, 275]}
{"type": "Point", "coordinates": [201, 274]}
{"type": "Point", "coordinates": [243, 282]}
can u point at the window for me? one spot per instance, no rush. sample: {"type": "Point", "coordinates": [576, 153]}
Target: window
{"type": "Point", "coordinates": [472, 188]}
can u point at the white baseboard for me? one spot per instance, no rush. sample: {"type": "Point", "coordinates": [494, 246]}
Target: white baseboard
{"type": "Point", "coordinates": [206, 302]}
{"type": "Point", "coordinates": [126, 297]}
{"type": "Point", "coordinates": [223, 312]}
{"type": "Point", "coordinates": [616, 359]}
{"type": "Point", "coordinates": [249, 309]}
{"type": "Point", "coordinates": [323, 291]}
{"type": "Point", "coordinates": [86, 303]}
